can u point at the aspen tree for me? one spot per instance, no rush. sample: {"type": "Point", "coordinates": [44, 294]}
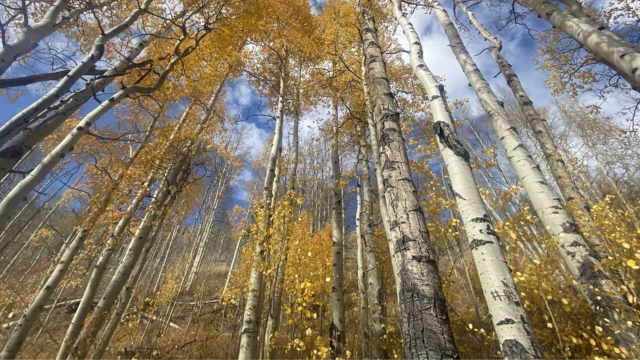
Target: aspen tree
{"type": "Point", "coordinates": [32, 34]}
{"type": "Point", "coordinates": [101, 265]}
{"type": "Point", "coordinates": [424, 316]}
{"type": "Point", "coordinates": [509, 318]}
{"type": "Point", "coordinates": [139, 239]}
{"type": "Point", "coordinates": [621, 56]}
{"type": "Point", "coordinates": [253, 308]}
{"type": "Point", "coordinates": [22, 189]}
{"type": "Point", "coordinates": [557, 166]}
{"type": "Point", "coordinates": [336, 329]}
{"type": "Point", "coordinates": [362, 270]}
{"type": "Point", "coordinates": [17, 147]}
{"type": "Point", "coordinates": [24, 117]}
{"type": "Point", "coordinates": [375, 298]}
{"type": "Point", "coordinates": [594, 283]}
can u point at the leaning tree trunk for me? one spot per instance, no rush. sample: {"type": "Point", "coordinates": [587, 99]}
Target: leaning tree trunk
{"type": "Point", "coordinates": [253, 308]}
{"type": "Point", "coordinates": [575, 204]}
{"type": "Point", "coordinates": [336, 329]}
{"type": "Point", "coordinates": [23, 142]}
{"type": "Point", "coordinates": [22, 189]}
{"type": "Point", "coordinates": [127, 295]}
{"type": "Point", "coordinates": [29, 38]}
{"type": "Point", "coordinates": [24, 117]}
{"type": "Point", "coordinates": [20, 331]}
{"type": "Point", "coordinates": [621, 56]}
{"type": "Point", "coordinates": [594, 283]}
{"type": "Point", "coordinates": [423, 309]}
{"type": "Point", "coordinates": [138, 241]}
{"type": "Point", "coordinates": [509, 317]}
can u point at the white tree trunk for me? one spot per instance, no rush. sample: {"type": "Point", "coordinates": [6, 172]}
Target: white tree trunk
{"type": "Point", "coordinates": [29, 38]}
{"type": "Point", "coordinates": [557, 167]}
{"type": "Point", "coordinates": [509, 317]}
{"type": "Point", "coordinates": [253, 308]}
{"type": "Point", "coordinates": [362, 274]}
{"type": "Point", "coordinates": [424, 316]}
{"type": "Point", "coordinates": [374, 280]}
{"type": "Point", "coordinates": [595, 285]}
{"type": "Point", "coordinates": [336, 329]}
{"type": "Point", "coordinates": [620, 56]}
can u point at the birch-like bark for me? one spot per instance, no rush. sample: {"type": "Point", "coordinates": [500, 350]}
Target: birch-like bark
{"type": "Point", "coordinates": [621, 56]}
{"type": "Point", "coordinates": [594, 283]}
{"type": "Point", "coordinates": [557, 166]}
{"type": "Point", "coordinates": [362, 274]}
{"type": "Point", "coordinates": [336, 329]}
{"type": "Point", "coordinates": [424, 316]}
{"type": "Point", "coordinates": [24, 117]}
{"type": "Point", "coordinates": [253, 308]}
{"type": "Point", "coordinates": [17, 147]}
{"type": "Point", "coordinates": [375, 149]}
{"type": "Point", "coordinates": [375, 292]}
{"type": "Point", "coordinates": [514, 331]}
{"type": "Point", "coordinates": [273, 320]}
{"type": "Point", "coordinates": [20, 331]}
{"type": "Point", "coordinates": [29, 38]}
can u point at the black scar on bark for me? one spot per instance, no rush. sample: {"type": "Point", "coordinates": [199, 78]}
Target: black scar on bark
{"type": "Point", "coordinates": [507, 321]}
{"type": "Point", "coordinates": [483, 218]}
{"type": "Point", "coordinates": [12, 152]}
{"type": "Point", "coordinates": [568, 227]}
{"type": "Point", "coordinates": [513, 349]}
{"type": "Point", "coordinates": [478, 242]}
{"type": "Point", "coordinates": [488, 231]}
{"type": "Point", "coordinates": [448, 139]}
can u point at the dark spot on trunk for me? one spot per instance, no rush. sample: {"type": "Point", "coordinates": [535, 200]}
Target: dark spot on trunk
{"type": "Point", "coordinates": [475, 243]}
{"type": "Point", "coordinates": [569, 227]}
{"type": "Point", "coordinates": [507, 321]}
{"type": "Point", "coordinates": [483, 218]}
{"type": "Point", "coordinates": [449, 139]}
{"type": "Point", "coordinates": [513, 349]}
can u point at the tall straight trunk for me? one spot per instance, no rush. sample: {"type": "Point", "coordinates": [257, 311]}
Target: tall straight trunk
{"type": "Point", "coordinates": [619, 55]}
{"type": "Point", "coordinates": [375, 293]}
{"type": "Point", "coordinates": [23, 142]}
{"type": "Point", "coordinates": [423, 309]}
{"type": "Point", "coordinates": [596, 286]}
{"type": "Point", "coordinates": [336, 329]}
{"type": "Point", "coordinates": [273, 319]}
{"type": "Point", "coordinates": [575, 204]}
{"type": "Point", "coordinates": [24, 117]}
{"type": "Point", "coordinates": [253, 308]}
{"type": "Point", "coordinates": [20, 331]}
{"type": "Point", "coordinates": [509, 317]}
{"type": "Point", "coordinates": [29, 38]}
{"type": "Point", "coordinates": [375, 150]}
{"type": "Point", "coordinates": [362, 274]}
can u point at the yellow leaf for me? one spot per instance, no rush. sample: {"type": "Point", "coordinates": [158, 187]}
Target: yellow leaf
{"type": "Point", "coordinates": [631, 263]}
{"type": "Point", "coordinates": [592, 342]}
{"type": "Point", "coordinates": [550, 325]}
